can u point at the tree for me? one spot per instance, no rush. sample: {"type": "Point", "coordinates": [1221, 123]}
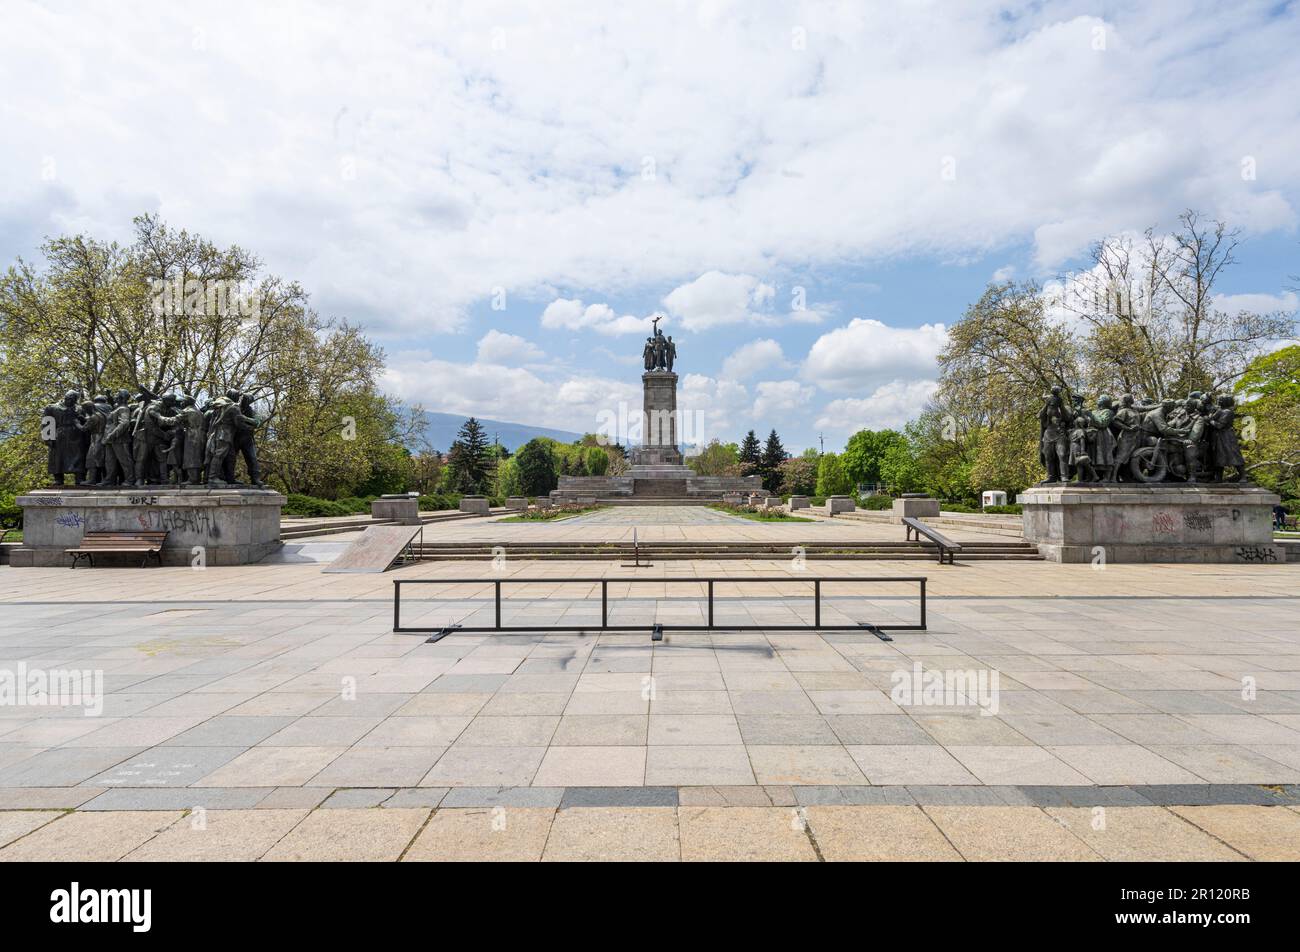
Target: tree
{"type": "Point", "coordinates": [535, 463]}
{"type": "Point", "coordinates": [1269, 414]}
{"type": "Point", "coordinates": [426, 471]}
{"type": "Point", "coordinates": [472, 459]}
{"type": "Point", "coordinates": [173, 311]}
{"type": "Point", "coordinates": [770, 462]}
{"type": "Point", "coordinates": [863, 454]}
{"type": "Point", "coordinates": [831, 478]}
{"type": "Point", "coordinates": [798, 477]}
{"type": "Point", "coordinates": [750, 453]}
{"type": "Point", "coordinates": [716, 459]}
{"type": "Point", "coordinates": [597, 461]}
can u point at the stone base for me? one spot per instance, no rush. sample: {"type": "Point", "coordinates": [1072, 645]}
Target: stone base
{"type": "Point", "coordinates": [799, 502]}
{"type": "Point", "coordinates": [516, 503]}
{"type": "Point", "coordinates": [475, 504]}
{"type": "Point", "coordinates": [404, 509]}
{"type": "Point", "coordinates": [1219, 522]}
{"type": "Point", "coordinates": [915, 508]}
{"type": "Point", "coordinates": [220, 526]}
{"type": "Point", "coordinates": [836, 504]}
{"type": "Point", "coordinates": [656, 482]}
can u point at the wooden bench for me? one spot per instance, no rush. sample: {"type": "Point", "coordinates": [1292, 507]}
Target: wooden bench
{"type": "Point", "coordinates": [947, 548]}
{"type": "Point", "coordinates": [127, 542]}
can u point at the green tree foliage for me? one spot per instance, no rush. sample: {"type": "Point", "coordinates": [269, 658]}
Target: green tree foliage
{"type": "Point", "coordinates": [472, 460]}
{"type": "Point", "coordinates": [864, 452]}
{"type": "Point", "coordinates": [173, 311]}
{"type": "Point", "coordinates": [1269, 420]}
{"type": "Point", "coordinates": [597, 461]}
{"type": "Point", "coordinates": [750, 454]}
{"type": "Point", "coordinates": [716, 459]}
{"type": "Point", "coordinates": [535, 463]}
{"type": "Point", "coordinates": [770, 462]}
{"type": "Point", "coordinates": [831, 478]}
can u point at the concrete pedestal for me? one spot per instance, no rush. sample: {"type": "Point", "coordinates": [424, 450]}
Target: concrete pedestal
{"type": "Point", "coordinates": [1219, 522]}
{"type": "Point", "coordinates": [915, 507]}
{"type": "Point", "coordinates": [658, 421]}
{"type": "Point", "coordinates": [799, 502]}
{"type": "Point", "coordinates": [403, 508]}
{"type": "Point", "coordinates": [836, 504]}
{"type": "Point", "coordinates": [220, 526]}
{"type": "Point", "coordinates": [516, 502]}
{"type": "Point", "coordinates": [475, 504]}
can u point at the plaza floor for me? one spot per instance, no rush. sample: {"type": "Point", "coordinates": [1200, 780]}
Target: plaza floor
{"type": "Point", "coordinates": [271, 712]}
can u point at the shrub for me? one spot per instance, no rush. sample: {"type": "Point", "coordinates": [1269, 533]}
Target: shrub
{"type": "Point", "coordinates": [877, 503]}
{"type": "Point", "coordinates": [1014, 509]}
{"type": "Point", "coordinates": [11, 516]}
{"type": "Point", "coordinates": [436, 502]}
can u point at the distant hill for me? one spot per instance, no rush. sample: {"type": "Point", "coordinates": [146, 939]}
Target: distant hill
{"type": "Point", "coordinates": [443, 427]}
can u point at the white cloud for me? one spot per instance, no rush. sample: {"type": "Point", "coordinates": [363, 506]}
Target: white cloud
{"type": "Point", "coordinates": [1286, 302]}
{"type": "Point", "coordinates": [866, 353]}
{"type": "Point", "coordinates": [751, 358]}
{"type": "Point", "coordinates": [501, 392]}
{"type": "Point", "coordinates": [889, 407]}
{"type": "Point", "coordinates": [495, 347]}
{"type": "Point", "coordinates": [714, 299]}
{"type": "Point", "coordinates": [780, 400]}
{"type": "Point", "coordinates": [573, 315]}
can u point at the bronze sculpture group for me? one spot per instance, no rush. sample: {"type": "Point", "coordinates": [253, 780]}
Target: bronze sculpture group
{"type": "Point", "coordinates": [659, 352]}
{"type": "Point", "coordinates": [151, 440]}
{"type": "Point", "coordinates": [1190, 440]}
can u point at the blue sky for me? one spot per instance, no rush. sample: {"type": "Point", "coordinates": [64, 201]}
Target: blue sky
{"type": "Point", "coordinates": [585, 165]}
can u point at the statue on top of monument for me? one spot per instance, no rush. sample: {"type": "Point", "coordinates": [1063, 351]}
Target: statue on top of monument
{"type": "Point", "coordinates": [660, 351]}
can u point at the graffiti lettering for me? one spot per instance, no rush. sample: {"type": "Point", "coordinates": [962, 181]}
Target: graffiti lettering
{"type": "Point", "coordinates": [1256, 553]}
{"type": "Point", "coordinates": [1198, 521]}
{"type": "Point", "coordinates": [1162, 522]}
{"type": "Point", "coordinates": [71, 520]}
{"type": "Point", "coordinates": [143, 500]}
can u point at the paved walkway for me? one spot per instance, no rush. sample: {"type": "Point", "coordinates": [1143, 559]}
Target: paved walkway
{"type": "Point", "coordinates": [639, 833]}
{"type": "Point", "coordinates": [279, 702]}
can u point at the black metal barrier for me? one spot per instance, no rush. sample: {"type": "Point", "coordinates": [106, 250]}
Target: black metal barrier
{"type": "Point", "coordinates": [657, 628]}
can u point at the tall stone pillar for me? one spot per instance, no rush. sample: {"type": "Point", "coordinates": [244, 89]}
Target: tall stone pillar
{"type": "Point", "coordinates": [659, 431]}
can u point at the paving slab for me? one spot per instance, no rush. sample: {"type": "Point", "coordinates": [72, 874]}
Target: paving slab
{"type": "Point", "coordinates": [878, 834]}
{"type": "Point", "coordinates": [744, 834]}
{"type": "Point", "coordinates": [350, 836]}
{"type": "Point", "coordinates": [1142, 834]}
{"type": "Point", "coordinates": [239, 836]}
{"type": "Point", "coordinates": [1002, 833]}
{"type": "Point", "coordinates": [1261, 833]}
{"type": "Point", "coordinates": [614, 834]}
{"type": "Point", "coordinates": [90, 837]}
{"type": "Point", "coordinates": [496, 834]}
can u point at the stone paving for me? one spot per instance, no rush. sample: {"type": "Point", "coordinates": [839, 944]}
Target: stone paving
{"type": "Point", "coordinates": [278, 704]}
{"type": "Point", "coordinates": [821, 833]}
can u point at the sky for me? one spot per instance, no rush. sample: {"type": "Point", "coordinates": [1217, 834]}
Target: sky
{"type": "Point", "coordinates": [503, 194]}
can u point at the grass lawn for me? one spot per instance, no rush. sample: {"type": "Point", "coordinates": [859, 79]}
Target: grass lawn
{"type": "Point", "coordinates": [761, 515]}
{"type": "Point", "coordinates": [552, 514]}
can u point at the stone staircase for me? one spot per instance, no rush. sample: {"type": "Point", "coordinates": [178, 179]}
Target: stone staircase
{"type": "Point", "coordinates": [650, 551]}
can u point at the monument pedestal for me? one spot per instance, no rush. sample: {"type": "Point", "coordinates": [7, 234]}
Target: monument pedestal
{"type": "Point", "coordinates": [658, 472]}
{"type": "Point", "coordinates": [230, 526]}
{"type": "Point", "coordinates": [1165, 522]}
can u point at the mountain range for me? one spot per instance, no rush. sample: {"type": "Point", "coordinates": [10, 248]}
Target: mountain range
{"type": "Point", "coordinates": [442, 428]}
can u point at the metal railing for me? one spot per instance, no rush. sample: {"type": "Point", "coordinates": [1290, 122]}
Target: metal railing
{"type": "Point", "coordinates": [604, 583]}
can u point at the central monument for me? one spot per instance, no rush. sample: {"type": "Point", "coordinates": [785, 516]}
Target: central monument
{"type": "Point", "coordinates": [658, 471]}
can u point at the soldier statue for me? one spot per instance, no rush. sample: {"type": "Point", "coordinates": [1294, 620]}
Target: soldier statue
{"type": "Point", "coordinates": [62, 434]}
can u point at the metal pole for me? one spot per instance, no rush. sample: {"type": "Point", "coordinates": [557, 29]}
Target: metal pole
{"type": "Point", "coordinates": [710, 603]}
{"type": "Point", "coordinates": [923, 604]}
{"type": "Point", "coordinates": [397, 605]}
{"type": "Point", "coordinates": [817, 603]}
{"type": "Point", "coordinates": [497, 584]}
{"type": "Point", "coordinates": [604, 603]}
